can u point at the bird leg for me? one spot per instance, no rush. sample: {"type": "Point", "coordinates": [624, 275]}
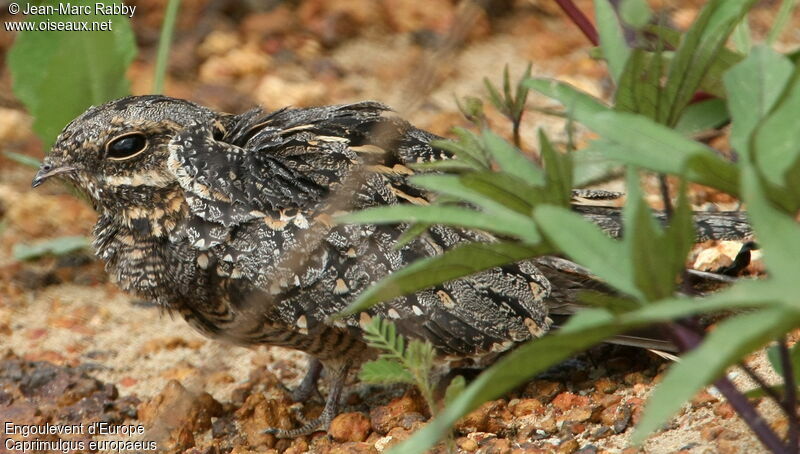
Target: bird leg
{"type": "Point", "coordinates": [308, 387]}
{"type": "Point", "coordinates": [338, 374]}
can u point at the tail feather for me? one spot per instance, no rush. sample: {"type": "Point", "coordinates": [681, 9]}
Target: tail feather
{"type": "Point", "coordinates": [723, 225]}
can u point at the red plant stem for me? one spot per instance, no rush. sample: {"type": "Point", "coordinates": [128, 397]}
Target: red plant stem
{"type": "Point", "coordinates": [688, 339]}
{"type": "Point", "coordinates": [789, 384]}
{"type": "Point", "coordinates": [580, 19]}
{"type": "Point", "coordinates": [768, 391]}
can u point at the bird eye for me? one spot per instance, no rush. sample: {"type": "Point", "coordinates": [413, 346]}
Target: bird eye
{"type": "Point", "coordinates": [126, 146]}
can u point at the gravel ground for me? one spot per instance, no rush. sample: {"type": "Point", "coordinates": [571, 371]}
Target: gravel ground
{"type": "Point", "coordinates": [76, 350]}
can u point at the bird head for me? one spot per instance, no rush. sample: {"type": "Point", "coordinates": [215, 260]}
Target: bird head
{"type": "Point", "coordinates": [117, 153]}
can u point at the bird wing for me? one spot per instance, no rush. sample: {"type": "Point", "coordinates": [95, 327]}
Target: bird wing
{"type": "Point", "coordinates": [261, 190]}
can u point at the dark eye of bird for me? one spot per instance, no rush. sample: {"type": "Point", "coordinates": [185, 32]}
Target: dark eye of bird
{"type": "Point", "coordinates": [126, 146]}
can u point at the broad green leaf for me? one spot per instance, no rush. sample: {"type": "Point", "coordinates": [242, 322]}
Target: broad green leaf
{"type": "Point", "coordinates": [727, 344]}
{"type": "Point", "coordinates": [702, 116]}
{"type": "Point", "coordinates": [559, 172]}
{"type": "Point", "coordinates": [384, 371]}
{"type": "Point", "coordinates": [656, 257]}
{"type": "Point", "coordinates": [506, 222]}
{"type": "Point", "coordinates": [612, 39]}
{"type": "Point", "coordinates": [577, 103]}
{"type": "Point", "coordinates": [590, 166]}
{"type": "Point", "coordinates": [511, 160]}
{"type": "Point", "coordinates": [639, 89]}
{"type": "Point", "coordinates": [484, 190]}
{"type": "Point", "coordinates": [712, 82]}
{"type": "Point", "coordinates": [635, 12]}
{"type": "Point", "coordinates": [56, 246]}
{"type": "Point", "coordinates": [506, 190]}
{"type": "Point", "coordinates": [777, 138]}
{"type": "Point", "coordinates": [58, 74]}
{"type": "Point", "coordinates": [638, 141]}
{"type": "Point", "coordinates": [587, 245]}
{"type": "Point", "coordinates": [701, 45]}
{"type": "Point", "coordinates": [778, 233]}
{"type": "Point", "coordinates": [459, 262]}
{"type": "Point", "coordinates": [743, 295]}
{"type": "Point", "coordinates": [504, 375]}
{"type": "Point", "coordinates": [753, 87]}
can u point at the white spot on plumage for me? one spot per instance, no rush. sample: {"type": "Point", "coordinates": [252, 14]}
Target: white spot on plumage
{"type": "Point", "coordinates": [416, 310]}
{"type": "Point", "coordinates": [341, 287]}
{"type": "Point", "coordinates": [364, 319]}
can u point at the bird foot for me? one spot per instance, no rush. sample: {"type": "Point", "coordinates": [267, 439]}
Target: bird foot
{"type": "Point", "coordinates": [308, 427]}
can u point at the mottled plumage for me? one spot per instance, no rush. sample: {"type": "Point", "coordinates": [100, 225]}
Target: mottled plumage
{"type": "Point", "coordinates": [227, 220]}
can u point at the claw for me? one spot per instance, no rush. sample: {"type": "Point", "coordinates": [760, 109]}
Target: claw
{"type": "Point", "coordinates": [338, 373]}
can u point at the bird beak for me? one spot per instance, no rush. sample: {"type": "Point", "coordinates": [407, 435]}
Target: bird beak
{"type": "Point", "coordinates": [46, 171]}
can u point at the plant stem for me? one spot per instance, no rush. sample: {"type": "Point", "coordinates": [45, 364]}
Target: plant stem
{"type": "Point", "coordinates": [665, 198]}
{"type": "Point", "coordinates": [164, 43]}
{"type": "Point", "coordinates": [751, 416]}
{"type": "Point", "coordinates": [790, 401]}
{"type": "Point", "coordinates": [580, 19]}
{"type": "Point", "coordinates": [688, 339]}
{"type": "Point", "coordinates": [764, 386]}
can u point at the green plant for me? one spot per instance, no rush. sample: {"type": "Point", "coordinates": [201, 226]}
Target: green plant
{"type": "Point", "coordinates": [663, 87]}
{"type": "Point", "coordinates": [405, 362]}
{"type": "Point", "coordinates": [59, 74]}
{"type": "Point", "coordinates": [400, 362]}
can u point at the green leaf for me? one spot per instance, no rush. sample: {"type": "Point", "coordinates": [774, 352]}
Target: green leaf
{"type": "Point", "coordinates": [703, 116]}
{"type": "Point", "coordinates": [459, 262]}
{"type": "Point", "coordinates": [636, 13]}
{"type": "Point", "coordinates": [781, 19]}
{"type": "Point", "coordinates": [742, 37]}
{"type": "Point", "coordinates": [511, 160]}
{"type": "Point", "coordinates": [164, 44]}
{"type": "Point", "coordinates": [384, 371]}
{"type": "Point", "coordinates": [506, 222]}
{"type": "Point", "coordinates": [722, 63]}
{"type": "Point", "coordinates": [484, 190]}
{"type": "Point", "coordinates": [23, 159]}
{"type": "Point", "coordinates": [777, 138]}
{"type": "Point", "coordinates": [753, 87]}
{"type": "Point", "coordinates": [454, 389]}
{"type": "Point", "coordinates": [504, 375]}
{"type": "Point", "coordinates": [506, 190]}
{"type": "Point", "coordinates": [652, 255]}
{"type": "Point", "coordinates": [591, 166]}
{"type": "Point", "coordinates": [639, 86]}
{"type": "Point", "coordinates": [774, 356]}
{"type": "Point", "coordinates": [743, 295]}
{"type": "Point", "coordinates": [58, 74]}
{"type": "Point", "coordinates": [577, 103]}
{"type": "Point", "coordinates": [56, 246]}
{"type": "Point", "coordinates": [587, 245]}
{"type": "Point", "coordinates": [419, 357]}
{"type": "Point", "coordinates": [699, 48]}
{"type": "Point", "coordinates": [559, 172]}
{"type": "Point", "coordinates": [638, 141]}
{"type": "Point", "coordinates": [612, 39]}
{"type": "Point", "coordinates": [778, 234]}
{"type": "Point", "coordinates": [727, 344]}
{"type": "Point", "coordinates": [382, 335]}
